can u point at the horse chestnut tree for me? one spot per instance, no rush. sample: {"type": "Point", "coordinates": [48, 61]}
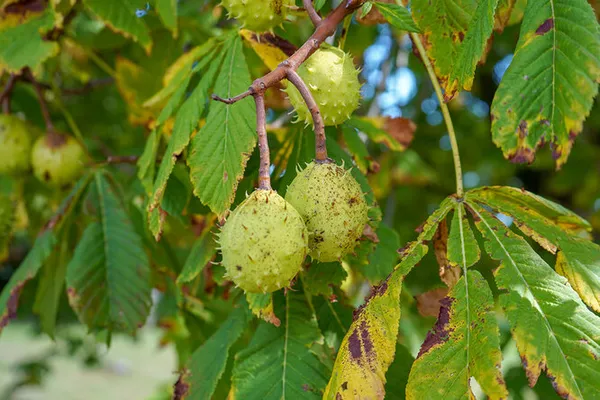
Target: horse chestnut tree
{"type": "Point", "coordinates": [275, 189]}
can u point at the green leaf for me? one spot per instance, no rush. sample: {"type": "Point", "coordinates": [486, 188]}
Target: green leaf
{"type": "Point", "coordinates": [554, 228]}
{"type": "Point", "coordinates": [199, 380]}
{"type": "Point", "coordinates": [120, 16]}
{"type": "Point", "coordinates": [23, 46]}
{"type": "Point", "coordinates": [373, 128]}
{"type": "Point", "coordinates": [262, 307]}
{"type": "Point", "coordinates": [383, 260]}
{"type": "Point", "coordinates": [553, 329]}
{"type": "Point", "coordinates": [188, 119]}
{"type": "Point", "coordinates": [548, 90]}
{"type": "Point", "coordinates": [39, 253]}
{"type": "Point", "coordinates": [278, 363]}
{"type": "Point", "coordinates": [369, 345]}
{"type": "Point", "coordinates": [8, 210]}
{"type": "Point", "coordinates": [464, 343]}
{"type": "Point", "coordinates": [219, 152]}
{"type": "Point", "coordinates": [147, 162]}
{"type": "Point", "coordinates": [320, 278]}
{"type": "Point", "coordinates": [108, 278]}
{"type": "Point", "coordinates": [398, 16]}
{"type": "Point", "coordinates": [463, 249]}
{"type": "Point", "coordinates": [202, 252]}
{"type": "Point", "coordinates": [357, 148]}
{"type": "Point", "coordinates": [472, 48]}
{"type": "Point", "coordinates": [167, 10]}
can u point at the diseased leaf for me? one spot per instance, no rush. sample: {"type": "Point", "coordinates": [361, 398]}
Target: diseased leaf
{"type": "Point", "coordinates": [503, 14]}
{"type": "Point", "coordinates": [167, 10]}
{"type": "Point", "coordinates": [369, 345]}
{"type": "Point", "coordinates": [261, 306]}
{"type": "Point", "coordinates": [120, 16]}
{"type": "Point", "coordinates": [554, 228]}
{"type": "Point", "coordinates": [553, 329]}
{"type": "Point", "coordinates": [385, 256]}
{"type": "Point", "coordinates": [23, 46]}
{"type": "Point", "coordinates": [449, 274]}
{"type": "Point", "coordinates": [464, 343]}
{"type": "Point", "coordinates": [281, 356]}
{"type": "Point", "coordinates": [463, 249]}
{"type": "Point", "coordinates": [398, 16]}
{"type": "Point", "coordinates": [199, 379]}
{"type": "Point", "coordinates": [379, 130]}
{"type": "Point", "coordinates": [472, 48]}
{"type": "Point", "coordinates": [455, 34]}
{"type": "Point", "coordinates": [108, 278]}
{"type": "Point", "coordinates": [549, 87]}
{"type": "Point", "coordinates": [220, 150]}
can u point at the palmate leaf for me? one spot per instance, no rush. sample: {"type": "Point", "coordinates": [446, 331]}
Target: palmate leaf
{"type": "Point", "coordinates": [554, 228]}
{"type": "Point", "coordinates": [369, 345]}
{"type": "Point", "coordinates": [220, 150]}
{"type": "Point", "coordinates": [39, 253]}
{"type": "Point", "coordinates": [548, 90]}
{"type": "Point", "coordinates": [120, 16]}
{"type": "Point", "coordinates": [108, 278]}
{"type": "Point", "coordinates": [278, 363]}
{"type": "Point", "coordinates": [464, 343]}
{"type": "Point", "coordinates": [463, 249]}
{"type": "Point", "coordinates": [203, 371]}
{"type": "Point", "coordinates": [455, 35]}
{"type": "Point", "coordinates": [398, 16]}
{"type": "Point", "coordinates": [553, 329]}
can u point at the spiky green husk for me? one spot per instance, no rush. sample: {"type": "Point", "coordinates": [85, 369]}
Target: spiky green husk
{"type": "Point", "coordinates": [333, 81]}
{"type": "Point", "coordinates": [15, 145]}
{"type": "Point", "coordinates": [57, 165]}
{"type": "Point", "coordinates": [333, 207]}
{"type": "Point", "coordinates": [258, 15]}
{"type": "Point", "coordinates": [263, 243]}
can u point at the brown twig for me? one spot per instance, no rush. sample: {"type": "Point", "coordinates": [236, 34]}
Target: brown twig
{"type": "Point", "coordinates": [5, 95]}
{"type": "Point", "coordinates": [122, 159]}
{"type": "Point", "coordinates": [323, 29]}
{"type": "Point", "coordinates": [264, 175]}
{"type": "Point", "coordinates": [40, 94]}
{"type": "Point", "coordinates": [319, 125]}
{"type": "Point", "coordinates": [312, 13]}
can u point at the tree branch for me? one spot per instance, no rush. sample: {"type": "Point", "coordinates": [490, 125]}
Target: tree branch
{"type": "Point", "coordinates": [319, 125]}
{"type": "Point", "coordinates": [312, 13]}
{"type": "Point", "coordinates": [264, 175]}
{"type": "Point", "coordinates": [5, 95]}
{"type": "Point", "coordinates": [40, 94]}
{"type": "Point", "coordinates": [287, 69]}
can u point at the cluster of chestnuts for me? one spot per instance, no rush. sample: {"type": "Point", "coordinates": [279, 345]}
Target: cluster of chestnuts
{"type": "Point", "coordinates": [266, 238]}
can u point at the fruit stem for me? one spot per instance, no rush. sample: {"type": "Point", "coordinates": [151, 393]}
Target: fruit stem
{"type": "Point", "coordinates": [319, 125]}
{"type": "Point", "coordinates": [5, 95]}
{"type": "Point", "coordinates": [40, 95]}
{"type": "Point", "coordinates": [264, 175]}
{"type": "Point", "coordinates": [438, 91]}
{"type": "Point", "coordinates": [312, 13]}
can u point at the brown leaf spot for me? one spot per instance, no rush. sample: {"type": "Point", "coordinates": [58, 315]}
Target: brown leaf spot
{"type": "Point", "coordinates": [25, 6]}
{"type": "Point", "coordinates": [11, 306]}
{"type": "Point", "coordinates": [556, 152]}
{"type": "Point", "coordinates": [370, 234]}
{"type": "Point", "coordinates": [180, 388]}
{"type": "Point", "coordinates": [461, 36]}
{"type": "Point", "coordinates": [225, 176]}
{"type": "Point", "coordinates": [366, 339]}
{"type": "Point", "coordinates": [545, 26]}
{"type": "Point", "coordinates": [354, 346]}
{"type": "Point", "coordinates": [523, 131]}
{"type": "Point", "coordinates": [428, 303]}
{"type": "Point", "coordinates": [440, 331]}
{"type": "Point", "coordinates": [401, 129]}
{"type": "Point", "coordinates": [560, 390]}
{"type": "Point", "coordinates": [523, 155]}
{"type": "Point", "coordinates": [545, 122]}
{"type": "Point", "coordinates": [345, 386]}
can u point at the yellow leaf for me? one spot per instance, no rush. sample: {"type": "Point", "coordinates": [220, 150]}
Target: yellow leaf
{"type": "Point", "coordinates": [268, 47]}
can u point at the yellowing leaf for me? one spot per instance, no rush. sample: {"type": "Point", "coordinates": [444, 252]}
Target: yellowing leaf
{"type": "Point", "coordinates": [549, 87]}
{"type": "Point", "coordinates": [464, 343]}
{"type": "Point", "coordinates": [369, 346]}
{"type": "Point", "coordinates": [135, 85]}
{"type": "Point", "coordinates": [553, 329]}
{"type": "Point", "coordinates": [271, 49]}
